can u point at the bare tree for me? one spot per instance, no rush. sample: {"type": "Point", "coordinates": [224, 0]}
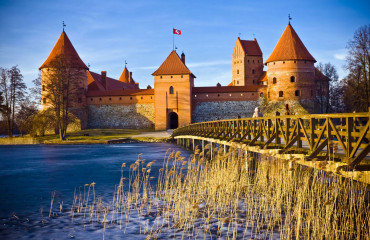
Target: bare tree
{"type": "Point", "coordinates": [357, 83]}
{"type": "Point", "coordinates": [13, 88]}
{"type": "Point", "coordinates": [325, 96]}
{"type": "Point", "coordinates": [61, 88]}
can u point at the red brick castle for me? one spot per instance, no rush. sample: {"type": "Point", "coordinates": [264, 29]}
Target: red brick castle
{"type": "Point", "coordinates": [104, 102]}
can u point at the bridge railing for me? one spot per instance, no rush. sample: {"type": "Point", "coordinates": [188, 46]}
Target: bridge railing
{"type": "Point", "coordinates": [344, 135]}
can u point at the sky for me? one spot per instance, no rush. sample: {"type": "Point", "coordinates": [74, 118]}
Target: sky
{"type": "Point", "coordinates": [108, 33]}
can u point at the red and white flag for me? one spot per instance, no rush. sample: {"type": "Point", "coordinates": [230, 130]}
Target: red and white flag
{"type": "Point", "coordinates": [176, 31]}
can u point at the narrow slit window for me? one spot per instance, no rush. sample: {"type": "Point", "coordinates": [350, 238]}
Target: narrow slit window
{"type": "Point", "coordinates": [281, 94]}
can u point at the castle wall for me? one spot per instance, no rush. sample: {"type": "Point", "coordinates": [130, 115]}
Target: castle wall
{"type": "Point", "coordinates": [229, 96]}
{"type": "Point", "coordinates": [134, 116]}
{"type": "Point", "coordinates": [125, 100]}
{"type": "Point", "coordinates": [302, 71]}
{"type": "Point", "coordinates": [217, 110]}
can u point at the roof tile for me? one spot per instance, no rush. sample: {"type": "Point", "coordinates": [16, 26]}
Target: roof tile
{"type": "Point", "coordinates": [65, 50]}
{"type": "Point", "coordinates": [290, 47]}
{"type": "Point", "coordinates": [172, 65]}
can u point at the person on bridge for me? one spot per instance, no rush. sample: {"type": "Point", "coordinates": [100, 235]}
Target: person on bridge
{"type": "Point", "coordinates": [257, 113]}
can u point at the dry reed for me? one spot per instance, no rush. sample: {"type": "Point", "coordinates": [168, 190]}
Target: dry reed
{"type": "Point", "coordinates": [198, 198]}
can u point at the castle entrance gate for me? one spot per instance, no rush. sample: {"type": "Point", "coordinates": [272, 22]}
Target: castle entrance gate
{"type": "Point", "coordinates": [173, 120]}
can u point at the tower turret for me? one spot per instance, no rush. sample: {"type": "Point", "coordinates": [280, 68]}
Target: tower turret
{"type": "Point", "coordinates": [247, 63]}
{"type": "Point", "coordinates": [64, 62]}
{"type": "Point", "coordinates": [173, 84]}
{"type": "Point", "coordinates": [290, 69]}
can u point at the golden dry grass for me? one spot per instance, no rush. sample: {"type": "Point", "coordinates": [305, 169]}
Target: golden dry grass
{"type": "Point", "coordinates": [220, 198]}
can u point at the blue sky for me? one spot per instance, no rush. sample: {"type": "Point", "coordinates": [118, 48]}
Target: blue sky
{"type": "Point", "coordinates": [106, 33]}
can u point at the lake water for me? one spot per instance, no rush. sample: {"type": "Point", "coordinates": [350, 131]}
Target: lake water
{"type": "Point", "coordinates": [29, 174]}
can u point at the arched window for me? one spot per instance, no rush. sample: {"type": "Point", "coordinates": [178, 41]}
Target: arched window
{"type": "Point", "coordinates": [237, 71]}
{"type": "Point", "coordinates": [171, 90]}
{"type": "Point", "coordinates": [252, 71]}
{"type": "Point", "coordinates": [281, 94]}
{"type": "Point", "coordinates": [292, 79]}
{"type": "Point", "coordinates": [297, 93]}
{"type": "Point", "coordinates": [274, 80]}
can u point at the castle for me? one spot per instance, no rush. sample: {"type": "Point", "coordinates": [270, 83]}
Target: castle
{"type": "Point", "coordinates": [291, 79]}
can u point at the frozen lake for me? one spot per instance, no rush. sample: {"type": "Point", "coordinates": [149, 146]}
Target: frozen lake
{"type": "Point", "coordinates": [29, 174]}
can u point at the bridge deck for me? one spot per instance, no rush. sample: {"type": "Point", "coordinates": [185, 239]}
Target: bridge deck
{"type": "Point", "coordinates": [342, 140]}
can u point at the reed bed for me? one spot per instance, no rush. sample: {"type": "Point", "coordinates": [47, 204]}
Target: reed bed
{"type": "Point", "coordinates": [221, 199]}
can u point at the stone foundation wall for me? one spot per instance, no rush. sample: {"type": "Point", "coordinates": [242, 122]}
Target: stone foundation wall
{"type": "Point", "coordinates": [209, 111]}
{"type": "Point", "coordinates": [135, 116]}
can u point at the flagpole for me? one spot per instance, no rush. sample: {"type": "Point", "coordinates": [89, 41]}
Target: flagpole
{"type": "Point", "coordinates": [173, 40]}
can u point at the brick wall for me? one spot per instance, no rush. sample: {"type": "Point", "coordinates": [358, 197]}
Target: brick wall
{"type": "Point", "coordinates": [135, 116]}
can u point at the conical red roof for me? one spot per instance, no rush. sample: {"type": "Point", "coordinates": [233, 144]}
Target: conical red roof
{"type": "Point", "coordinates": [65, 50]}
{"type": "Point", "coordinates": [125, 76]}
{"type": "Point", "coordinates": [290, 47]}
{"type": "Point", "coordinates": [172, 65]}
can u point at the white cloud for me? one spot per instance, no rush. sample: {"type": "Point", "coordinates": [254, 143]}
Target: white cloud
{"type": "Point", "coordinates": [340, 54]}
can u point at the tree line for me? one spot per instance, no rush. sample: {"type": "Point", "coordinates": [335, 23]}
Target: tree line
{"type": "Point", "coordinates": [19, 105]}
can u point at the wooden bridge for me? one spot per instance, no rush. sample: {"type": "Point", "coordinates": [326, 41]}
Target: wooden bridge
{"type": "Point", "coordinates": [334, 142]}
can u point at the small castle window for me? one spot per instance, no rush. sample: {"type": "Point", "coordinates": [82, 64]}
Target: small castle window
{"type": "Point", "coordinates": [130, 98]}
{"type": "Point", "coordinates": [43, 87]}
{"type": "Point", "coordinates": [234, 62]}
{"type": "Point", "coordinates": [261, 94]}
{"type": "Point", "coordinates": [253, 61]}
{"type": "Point", "coordinates": [274, 80]}
{"type": "Point", "coordinates": [171, 90]}
{"type": "Point", "coordinates": [151, 97]}
{"type": "Point", "coordinates": [218, 95]}
{"type": "Point", "coordinates": [283, 62]}
{"type": "Point", "coordinates": [182, 76]}
{"type": "Point", "coordinates": [292, 79]}
{"type": "Point", "coordinates": [252, 71]}
{"type": "Point", "coordinates": [268, 94]}
{"type": "Point", "coordinates": [120, 98]}
{"type": "Point", "coordinates": [99, 99]}
{"type": "Point", "coordinates": [110, 99]}
{"type": "Point", "coordinates": [171, 76]}
{"type": "Point", "coordinates": [281, 94]}
{"type": "Point", "coordinates": [238, 82]}
{"type": "Point", "coordinates": [248, 60]}
{"type": "Point", "coordinates": [295, 61]}
{"type": "Point", "coordinates": [297, 93]}
{"type": "Point", "coordinates": [160, 77]}
{"type": "Point", "coordinates": [237, 71]}
{"type": "Point", "coordinates": [91, 99]}
{"type": "Point", "coordinates": [141, 97]}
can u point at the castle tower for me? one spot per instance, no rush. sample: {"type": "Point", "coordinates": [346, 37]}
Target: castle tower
{"type": "Point", "coordinates": [64, 56]}
{"type": "Point", "coordinates": [173, 83]}
{"type": "Point", "coordinates": [290, 70]}
{"type": "Point", "coordinates": [247, 63]}
{"type": "Point", "coordinates": [126, 76]}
